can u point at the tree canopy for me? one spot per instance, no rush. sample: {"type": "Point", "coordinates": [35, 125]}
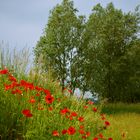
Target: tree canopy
{"type": "Point", "coordinates": [100, 54]}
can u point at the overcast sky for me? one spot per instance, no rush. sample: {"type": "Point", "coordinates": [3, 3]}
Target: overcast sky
{"type": "Point", "coordinates": [22, 21]}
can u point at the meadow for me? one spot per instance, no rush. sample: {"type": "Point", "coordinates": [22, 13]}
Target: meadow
{"type": "Point", "coordinates": [124, 119]}
{"type": "Point", "coordinates": [33, 106]}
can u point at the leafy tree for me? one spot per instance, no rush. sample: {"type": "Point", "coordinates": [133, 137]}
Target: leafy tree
{"type": "Point", "coordinates": [57, 47]}
{"type": "Point", "coordinates": [127, 75]}
{"type": "Point", "coordinates": [109, 32]}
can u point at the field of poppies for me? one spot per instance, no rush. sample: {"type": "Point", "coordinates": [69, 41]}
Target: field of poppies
{"type": "Point", "coordinates": [34, 107]}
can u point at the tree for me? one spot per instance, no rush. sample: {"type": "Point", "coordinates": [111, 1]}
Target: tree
{"type": "Point", "coordinates": [109, 32]}
{"type": "Point", "coordinates": [58, 45]}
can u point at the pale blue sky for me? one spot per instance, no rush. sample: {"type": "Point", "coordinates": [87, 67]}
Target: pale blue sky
{"type": "Point", "coordinates": [22, 21]}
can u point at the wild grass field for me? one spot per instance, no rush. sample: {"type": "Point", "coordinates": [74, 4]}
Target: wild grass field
{"type": "Point", "coordinates": [125, 121]}
{"type": "Point", "coordinates": [33, 107]}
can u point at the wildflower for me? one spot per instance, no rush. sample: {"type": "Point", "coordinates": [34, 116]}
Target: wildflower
{"type": "Point", "coordinates": [84, 137]}
{"type": "Point", "coordinates": [90, 102]}
{"type": "Point", "coordinates": [85, 107]}
{"type": "Point", "coordinates": [27, 113]}
{"type": "Point", "coordinates": [5, 71]}
{"type": "Point", "coordinates": [27, 85]}
{"type": "Point", "coordinates": [70, 91]}
{"type": "Point", "coordinates": [101, 136]}
{"type": "Point", "coordinates": [55, 133]}
{"type": "Point", "coordinates": [103, 116]}
{"type": "Point", "coordinates": [94, 109]}
{"type": "Point", "coordinates": [47, 92]}
{"type": "Point", "coordinates": [7, 87]}
{"type": "Point", "coordinates": [50, 108]}
{"type": "Point", "coordinates": [17, 91]}
{"type": "Point", "coordinates": [81, 119]}
{"type": "Point", "coordinates": [49, 99]}
{"type": "Point", "coordinates": [81, 126]}
{"type": "Point", "coordinates": [110, 139]}
{"type": "Point", "coordinates": [71, 130]}
{"type": "Point", "coordinates": [32, 100]}
{"type": "Point", "coordinates": [70, 117]}
{"type": "Point", "coordinates": [38, 88]}
{"type": "Point", "coordinates": [107, 123]}
{"type": "Point", "coordinates": [74, 114]}
{"type": "Point", "coordinates": [12, 78]}
{"type": "Point", "coordinates": [64, 131]}
{"type": "Point", "coordinates": [95, 138]}
{"type": "Point", "coordinates": [81, 131]}
{"type": "Point", "coordinates": [37, 94]}
{"type": "Point", "coordinates": [64, 111]}
{"type": "Point", "coordinates": [58, 99]}
{"type": "Point", "coordinates": [87, 134]}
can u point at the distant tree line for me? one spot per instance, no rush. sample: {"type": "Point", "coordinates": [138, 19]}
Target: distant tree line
{"type": "Point", "coordinates": [100, 54]}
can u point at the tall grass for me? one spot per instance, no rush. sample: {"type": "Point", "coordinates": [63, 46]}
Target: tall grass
{"type": "Point", "coordinates": [26, 111]}
{"type": "Point", "coordinates": [121, 108]}
{"type": "Point", "coordinates": [14, 58]}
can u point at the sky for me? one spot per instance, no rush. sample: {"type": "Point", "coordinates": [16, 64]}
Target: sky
{"type": "Point", "coordinates": [22, 21]}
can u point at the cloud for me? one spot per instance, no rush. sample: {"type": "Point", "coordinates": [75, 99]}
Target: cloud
{"type": "Point", "coordinates": [23, 21]}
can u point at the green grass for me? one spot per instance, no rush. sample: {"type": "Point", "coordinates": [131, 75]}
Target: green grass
{"type": "Point", "coordinates": [124, 119]}
{"type": "Point", "coordinates": [121, 108]}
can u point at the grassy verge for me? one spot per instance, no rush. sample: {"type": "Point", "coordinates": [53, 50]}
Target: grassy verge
{"type": "Point", "coordinates": [125, 121]}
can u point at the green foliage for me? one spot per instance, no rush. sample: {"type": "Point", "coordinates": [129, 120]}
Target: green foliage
{"type": "Point", "coordinates": [109, 35]}
{"type": "Point", "coordinates": [57, 48]}
{"type": "Point", "coordinates": [97, 55]}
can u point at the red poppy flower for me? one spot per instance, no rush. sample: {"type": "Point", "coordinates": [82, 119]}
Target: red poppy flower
{"type": "Point", "coordinates": [49, 99]}
{"type": "Point", "coordinates": [32, 100]}
{"type": "Point", "coordinates": [81, 119]}
{"type": "Point", "coordinates": [87, 134]}
{"type": "Point", "coordinates": [95, 138]}
{"type": "Point", "coordinates": [50, 108]}
{"type": "Point", "coordinates": [94, 109]}
{"type": "Point", "coordinates": [37, 94]}
{"type": "Point", "coordinates": [103, 116]}
{"type": "Point", "coordinates": [27, 113]}
{"type": "Point", "coordinates": [59, 100]}
{"type": "Point", "coordinates": [90, 102]}
{"type": "Point", "coordinates": [55, 133]}
{"type": "Point", "coordinates": [107, 123]}
{"type": "Point", "coordinates": [84, 137]}
{"type": "Point", "coordinates": [110, 139]}
{"type": "Point", "coordinates": [74, 114]}
{"type": "Point", "coordinates": [5, 71]}
{"type": "Point", "coordinates": [17, 91]}
{"type": "Point", "coordinates": [101, 135]}
{"type": "Point", "coordinates": [47, 92]}
{"type": "Point", "coordinates": [12, 78]}
{"type": "Point", "coordinates": [64, 131]}
{"type": "Point", "coordinates": [85, 107]}
{"type": "Point", "coordinates": [64, 111]}
{"type": "Point", "coordinates": [70, 117]}
{"type": "Point", "coordinates": [27, 85]}
{"type": "Point", "coordinates": [7, 87]}
{"type": "Point", "coordinates": [38, 88]}
{"type": "Point", "coordinates": [81, 126]}
{"type": "Point", "coordinates": [81, 131]}
{"type": "Point", "coordinates": [71, 130]}
{"type": "Point", "coordinates": [70, 91]}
